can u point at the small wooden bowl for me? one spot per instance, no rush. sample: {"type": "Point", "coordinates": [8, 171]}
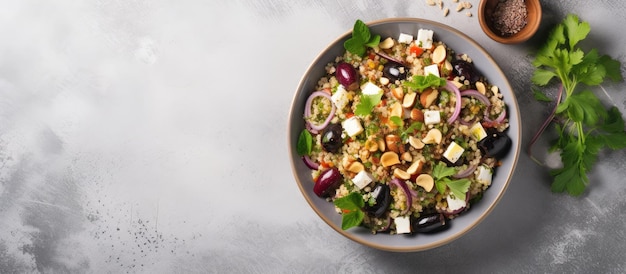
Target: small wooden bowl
{"type": "Point", "coordinates": [486, 9]}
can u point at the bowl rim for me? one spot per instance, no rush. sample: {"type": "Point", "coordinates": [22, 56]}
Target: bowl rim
{"type": "Point", "coordinates": [516, 149]}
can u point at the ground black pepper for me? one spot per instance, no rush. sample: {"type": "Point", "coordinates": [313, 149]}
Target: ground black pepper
{"type": "Point", "coordinates": [509, 16]}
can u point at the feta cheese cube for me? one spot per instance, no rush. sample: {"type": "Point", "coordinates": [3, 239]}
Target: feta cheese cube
{"type": "Point", "coordinates": [432, 117]}
{"type": "Point", "coordinates": [431, 69]}
{"type": "Point", "coordinates": [484, 175]}
{"type": "Point", "coordinates": [425, 38]}
{"type": "Point", "coordinates": [362, 179]}
{"type": "Point", "coordinates": [340, 98]}
{"type": "Point", "coordinates": [403, 225]}
{"type": "Point", "coordinates": [352, 126]}
{"type": "Point", "coordinates": [478, 132]}
{"type": "Point", "coordinates": [453, 152]}
{"type": "Point", "coordinates": [405, 38]}
{"type": "Point", "coordinates": [370, 88]}
{"type": "Point", "coordinates": [455, 203]}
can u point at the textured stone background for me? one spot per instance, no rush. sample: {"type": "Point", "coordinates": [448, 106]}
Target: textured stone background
{"type": "Point", "coordinates": [149, 137]}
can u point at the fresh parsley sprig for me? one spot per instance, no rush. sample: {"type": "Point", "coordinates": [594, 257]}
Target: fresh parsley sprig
{"type": "Point", "coordinates": [421, 82]}
{"type": "Point", "coordinates": [442, 174]}
{"type": "Point", "coordinates": [361, 39]}
{"type": "Point", "coordinates": [367, 102]}
{"type": "Point", "coordinates": [585, 126]}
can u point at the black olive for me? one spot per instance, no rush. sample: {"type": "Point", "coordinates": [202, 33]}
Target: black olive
{"type": "Point", "coordinates": [394, 71]}
{"type": "Point", "coordinates": [466, 70]}
{"type": "Point", "coordinates": [496, 144]}
{"type": "Point", "coordinates": [382, 195]}
{"type": "Point", "coordinates": [430, 223]}
{"type": "Point", "coordinates": [331, 138]}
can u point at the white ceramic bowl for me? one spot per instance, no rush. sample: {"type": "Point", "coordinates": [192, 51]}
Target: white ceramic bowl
{"type": "Point", "coordinates": [460, 225]}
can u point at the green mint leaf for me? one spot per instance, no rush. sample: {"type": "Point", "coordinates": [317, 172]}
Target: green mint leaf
{"type": "Point", "coordinates": [542, 77]}
{"type": "Point", "coordinates": [396, 120]}
{"type": "Point", "coordinates": [374, 41]}
{"type": "Point", "coordinates": [355, 46]}
{"type": "Point", "coordinates": [351, 219]}
{"type": "Point", "coordinates": [540, 96]}
{"type": "Point", "coordinates": [421, 82]}
{"type": "Point", "coordinates": [361, 32]}
{"type": "Point", "coordinates": [361, 39]}
{"type": "Point", "coordinates": [575, 30]}
{"type": "Point", "coordinates": [367, 103]}
{"type": "Point", "coordinates": [305, 143]}
{"type": "Point", "coordinates": [459, 188]}
{"type": "Point", "coordinates": [352, 202]}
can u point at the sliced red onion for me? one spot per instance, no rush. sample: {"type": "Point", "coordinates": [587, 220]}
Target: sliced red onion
{"type": "Point", "coordinates": [308, 127]}
{"type": "Point", "coordinates": [409, 198]}
{"type": "Point", "coordinates": [384, 55]}
{"type": "Point", "coordinates": [457, 107]}
{"type": "Point", "coordinates": [465, 173]}
{"type": "Point", "coordinates": [468, 123]}
{"type": "Point", "coordinates": [477, 95]}
{"type": "Point", "coordinates": [307, 110]}
{"type": "Point", "coordinates": [498, 120]}
{"type": "Point", "coordinates": [310, 163]}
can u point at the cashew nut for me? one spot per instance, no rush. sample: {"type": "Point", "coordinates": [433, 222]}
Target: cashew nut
{"type": "Point", "coordinates": [415, 167]}
{"type": "Point", "coordinates": [401, 174]}
{"type": "Point", "coordinates": [389, 158]}
{"type": "Point", "coordinates": [433, 137]}
{"type": "Point", "coordinates": [356, 167]}
{"type": "Point", "coordinates": [416, 143]}
{"type": "Point", "coordinates": [425, 181]}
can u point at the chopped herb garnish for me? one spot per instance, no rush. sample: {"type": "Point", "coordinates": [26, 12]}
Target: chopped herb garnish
{"type": "Point", "coordinates": [404, 135]}
{"type": "Point", "coordinates": [397, 121]}
{"type": "Point", "coordinates": [442, 173]}
{"type": "Point", "coordinates": [351, 205]}
{"type": "Point", "coordinates": [305, 143]}
{"type": "Point", "coordinates": [367, 103]}
{"type": "Point", "coordinates": [420, 82]}
{"type": "Point", "coordinates": [361, 39]}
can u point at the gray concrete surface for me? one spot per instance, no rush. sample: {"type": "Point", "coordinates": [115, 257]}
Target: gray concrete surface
{"type": "Point", "coordinates": [150, 137]}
